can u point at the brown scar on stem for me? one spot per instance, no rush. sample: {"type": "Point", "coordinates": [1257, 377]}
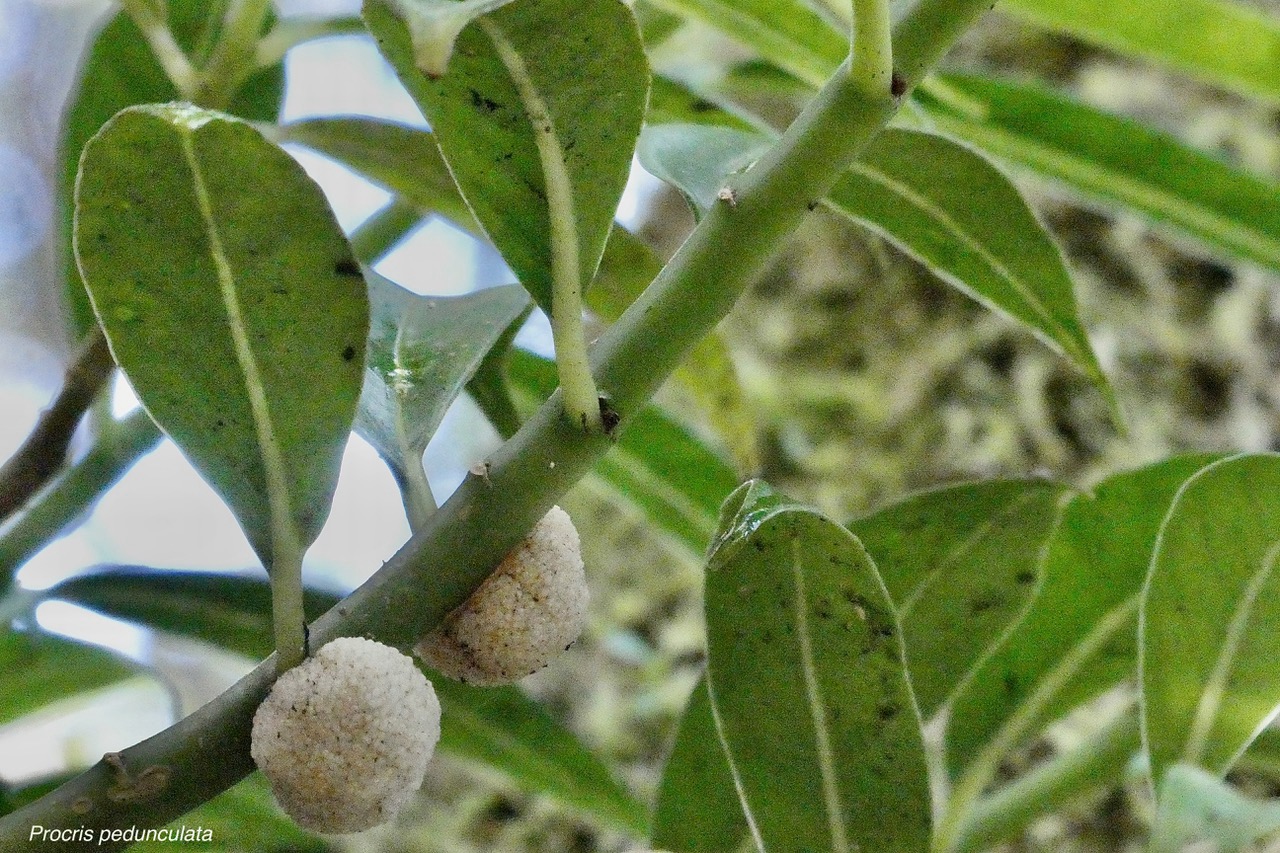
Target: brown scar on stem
{"type": "Point", "coordinates": [129, 789]}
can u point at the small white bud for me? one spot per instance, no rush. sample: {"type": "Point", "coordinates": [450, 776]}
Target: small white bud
{"type": "Point", "coordinates": [344, 737]}
{"type": "Point", "coordinates": [529, 610]}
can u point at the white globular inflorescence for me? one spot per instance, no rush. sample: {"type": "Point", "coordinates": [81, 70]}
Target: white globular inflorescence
{"type": "Point", "coordinates": [529, 610]}
{"type": "Point", "coordinates": [344, 738]}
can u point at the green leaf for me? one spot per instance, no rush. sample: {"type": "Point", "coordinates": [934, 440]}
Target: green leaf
{"type": "Point", "coordinates": [938, 201]}
{"type": "Point", "coordinates": [1113, 159]}
{"type": "Point", "coordinates": [230, 299]}
{"type": "Point", "coordinates": [1209, 620]}
{"type": "Point", "coordinates": [809, 685]}
{"type": "Point", "coordinates": [422, 351]}
{"type": "Point", "coordinates": [434, 27]}
{"type": "Point", "coordinates": [120, 71]}
{"type": "Point", "coordinates": [1221, 42]}
{"type": "Point", "coordinates": [698, 159]}
{"type": "Point", "coordinates": [499, 727]}
{"type": "Point", "coordinates": [656, 464]}
{"type": "Point", "coordinates": [961, 564]}
{"type": "Point", "coordinates": [244, 817]}
{"type": "Point", "coordinates": [585, 85]}
{"type": "Point", "coordinates": [402, 160]}
{"type": "Point", "coordinates": [504, 729]}
{"type": "Point", "coordinates": [947, 206]}
{"type": "Point", "coordinates": [36, 669]}
{"type": "Point", "coordinates": [788, 33]}
{"type": "Point", "coordinates": [1077, 639]}
{"type": "Point", "coordinates": [229, 610]}
{"type": "Point", "coordinates": [697, 809]}
{"type": "Point", "coordinates": [1197, 806]}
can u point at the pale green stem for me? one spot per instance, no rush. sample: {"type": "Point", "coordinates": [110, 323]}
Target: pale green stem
{"type": "Point", "coordinates": [455, 551]}
{"type": "Point", "coordinates": [1090, 766]}
{"type": "Point", "coordinates": [419, 502]}
{"type": "Point", "coordinates": [1021, 725]}
{"type": "Point", "coordinates": [172, 58]}
{"type": "Point", "coordinates": [871, 55]}
{"type": "Point", "coordinates": [581, 399]}
{"type": "Point", "coordinates": [293, 32]}
{"type": "Point", "coordinates": [235, 56]}
{"type": "Point", "coordinates": [69, 496]}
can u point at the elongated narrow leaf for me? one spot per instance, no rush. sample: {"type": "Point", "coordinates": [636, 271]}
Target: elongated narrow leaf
{"type": "Point", "coordinates": [422, 351]}
{"type": "Point", "coordinates": [403, 160]}
{"type": "Point", "coordinates": [121, 71]}
{"type": "Point", "coordinates": [962, 565]}
{"type": "Point", "coordinates": [1208, 650]}
{"type": "Point", "coordinates": [1113, 159]}
{"type": "Point", "coordinates": [230, 298]}
{"type": "Point", "coordinates": [36, 669]}
{"type": "Point", "coordinates": [937, 200]}
{"type": "Point", "coordinates": [499, 727]}
{"type": "Point", "coordinates": [504, 729]}
{"type": "Point", "coordinates": [1222, 42]}
{"type": "Point", "coordinates": [698, 810]}
{"type": "Point", "coordinates": [533, 115]}
{"type": "Point", "coordinates": [809, 686]}
{"type": "Point", "coordinates": [787, 33]}
{"type": "Point", "coordinates": [657, 465]}
{"type": "Point", "coordinates": [1197, 806]}
{"type": "Point", "coordinates": [1077, 639]}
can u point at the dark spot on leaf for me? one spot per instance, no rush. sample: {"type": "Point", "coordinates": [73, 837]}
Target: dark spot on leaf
{"type": "Point", "coordinates": [759, 544]}
{"type": "Point", "coordinates": [897, 85]}
{"type": "Point", "coordinates": [346, 266]}
{"type": "Point", "coordinates": [1025, 576]}
{"type": "Point", "coordinates": [886, 711]}
{"type": "Point", "coordinates": [981, 603]}
{"type": "Point", "coordinates": [1010, 683]}
{"type": "Point", "coordinates": [348, 352]}
{"type": "Point", "coordinates": [701, 105]}
{"type": "Point", "coordinates": [481, 102]}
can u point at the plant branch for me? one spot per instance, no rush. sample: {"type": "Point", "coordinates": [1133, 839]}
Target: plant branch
{"type": "Point", "coordinates": [76, 489]}
{"type": "Point", "coordinates": [45, 450]}
{"type": "Point", "coordinates": [1003, 814]}
{"type": "Point", "coordinates": [235, 56]}
{"type": "Point", "coordinates": [460, 544]}
{"type": "Point", "coordinates": [871, 48]}
{"type": "Point", "coordinates": [172, 58]}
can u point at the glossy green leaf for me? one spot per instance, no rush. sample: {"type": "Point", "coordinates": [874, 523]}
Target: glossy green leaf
{"type": "Point", "coordinates": [586, 87]}
{"type": "Point", "coordinates": [1077, 640]}
{"type": "Point", "coordinates": [244, 817]}
{"type": "Point", "coordinates": [422, 351]}
{"type": "Point", "coordinates": [950, 208]}
{"type": "Point", "coordinates": [120, 71]}
{"type": "Point", "coordinates": [230, 298]}
{"type": "Point", "coordinates": [36, 669]}
{"type": "Point", "coordinates": [698, 159]}
{"type": "Point", "coordinates": [962, 564]}
{"type": "Point", "coordinates": [656, 464]}
{"type": "Point", "coordinates": [499, 727]}
{"type": "Point", "coordinates": [1219, 41]}
{"type": "Point", "coordinates": [1208, 658]}
{"type": "Point", "coordinates": [788, 33]}
{"type": "Point", "coordinates": [809, 685]}
{"type": "Point", "coordinates": [1113, 159]}
{"type": "Point", "coordinates": [1197, 806]}
{"type": "Point", "coordinates": [939, 201]}
{"type": "Point", "coordinates": [697, 810]}
{"type": "Point", "coordinates": [402, 160]}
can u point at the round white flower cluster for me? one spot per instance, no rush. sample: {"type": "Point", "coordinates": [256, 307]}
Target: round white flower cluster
{"type": "Point", "coordinates": [345, 737]}
{"type": "Point", "coordinates": [529, 610]}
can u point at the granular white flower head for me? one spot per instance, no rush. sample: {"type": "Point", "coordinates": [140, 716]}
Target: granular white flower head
{"type": "Point", "coordinates": [345, 736]}
{"type": "Point", "coordinates": [529, 610]}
